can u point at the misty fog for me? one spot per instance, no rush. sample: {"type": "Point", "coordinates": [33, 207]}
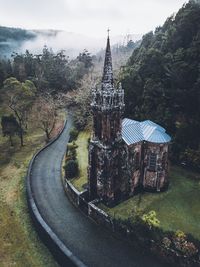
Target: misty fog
{"type": "Point", "coordinates": [70, 42]}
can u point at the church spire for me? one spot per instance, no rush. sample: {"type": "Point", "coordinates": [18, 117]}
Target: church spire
{"type": "Point", "coordinates": [107, 79]}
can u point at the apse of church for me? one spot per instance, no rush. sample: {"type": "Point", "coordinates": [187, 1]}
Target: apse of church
{"type": "Point", "coordinates": [124, 155]}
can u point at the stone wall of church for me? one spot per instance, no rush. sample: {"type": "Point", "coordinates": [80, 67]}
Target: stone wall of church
{"type": "Point", "coordinates": [155, 166]}
{"type": "Point", "coordinates": [135, 161]}
{"type": "Point", "coordinates": [146, 167]}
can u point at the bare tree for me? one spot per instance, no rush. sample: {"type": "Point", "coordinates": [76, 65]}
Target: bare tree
{"type": "Point", "coordinates": [44, 113]}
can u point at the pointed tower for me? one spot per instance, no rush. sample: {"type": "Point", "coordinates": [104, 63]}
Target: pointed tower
{"type": "Point", "coordinates": [105, 145]}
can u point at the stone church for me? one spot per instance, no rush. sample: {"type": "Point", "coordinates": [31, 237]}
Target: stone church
{"type": "Point", "coordinates": [125, 156]}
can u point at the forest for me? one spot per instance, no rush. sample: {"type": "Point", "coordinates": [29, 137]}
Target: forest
{"type": "Point", "coordinates": [162, 82]}
{"type": "Point", "coordinates": [34, 84]}
{"type": "Point", "coordinates": [16, 34]}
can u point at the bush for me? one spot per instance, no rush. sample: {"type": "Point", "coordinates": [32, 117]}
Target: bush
{"type": "Point", "coordinates": [184, 246]}
{"type": "Point", "coordinates": [71, 151]}
{"type": "Point", "coordinates": [150, 219]}
{"type": "Point", "coordinates": [191, 158]}
{"type": "Point", "coordinates": [73, 134]}
{"type": "Point", "coordinates": [71, 169]}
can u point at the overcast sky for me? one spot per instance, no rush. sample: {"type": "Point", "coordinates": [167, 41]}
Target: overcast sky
{"type": "Point", "coordinates": [89, 17]}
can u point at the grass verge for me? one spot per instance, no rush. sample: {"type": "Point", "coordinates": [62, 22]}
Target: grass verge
{"type": "Point", "coordinates": [20, 245]}
{"type": "Point", "coordinates": [82, 157]}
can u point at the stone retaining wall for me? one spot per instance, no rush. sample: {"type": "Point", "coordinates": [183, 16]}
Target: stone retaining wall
{"type": "Point", "coordinates": [79, 199]}
{"type": "Point", "coordinates": [99, 215]}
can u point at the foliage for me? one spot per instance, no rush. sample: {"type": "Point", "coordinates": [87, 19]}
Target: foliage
{"type": "Point", "coordinates": [162, 79]}
{"type": "Point", "coordinates": [180, 234]}
{"type": "Point", "coordinates": [184, 246]}
{"type": "Point", "coordinates": [10, 127]}
{"type": "Point", "coordinates": [44, 112]}
{"type": "Point", "coordinates": [85, 58]}
{"type": "Point", "coordinates": [50, 72]}
{"type": "Point", "coordinates": [71, 168]}
{"type": "Point", "coordinates": [71, 164]}
{"type": "Point", "coordinates": [79, 102]}
{"type": "Point", "coordinates": [71, 151]}
{"type": "Point", "coordinates": [5, 70]}
{"type": "Point", "coordinates": [73, 134]}
{"type": "Point", "coordinates": [192, 157]}
{"type": "Point", "coordinates": [150, 219]}
{"type": "Point", "coordinates": [166, 242]}
{"type": "Point", "coordinates": [19, 97]}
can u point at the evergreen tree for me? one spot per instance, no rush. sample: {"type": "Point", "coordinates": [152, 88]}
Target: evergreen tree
{"type": "Point", "coordinates": [162, 79]}
{"type": "Point", "coordinates": [10, 127]}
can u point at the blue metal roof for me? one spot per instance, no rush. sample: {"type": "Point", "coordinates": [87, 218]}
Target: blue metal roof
{"type": "Point", "coordinates": [134, 132]}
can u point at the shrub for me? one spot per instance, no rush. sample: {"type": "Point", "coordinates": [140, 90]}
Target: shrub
{"type": "Point", "coordinates": [191, 158]}
{"type": "Point", "coordinates": [189, 249]}
{"type": "Point", "coordinates": [180, 235]}
{"type": "Point", "coordinates": [71, 155]}
{"type": "Point", "coordinates": [72, 146]}
{"type": "Point", "coordinates": [166, 242]}
{"type": "Point", "coordinates": [71, 169]}
{"type": "Point", "coordinates": [150, 219]}
{"type": "Point", "coordinates": [71, 151]}
{"type": "Point", "coordinates": [73, 134]}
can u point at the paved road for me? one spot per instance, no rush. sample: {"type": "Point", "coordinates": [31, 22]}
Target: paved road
{"type": "Point", "coordinates": [94, 245]}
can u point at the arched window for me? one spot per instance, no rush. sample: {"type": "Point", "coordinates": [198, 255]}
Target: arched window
{"type": "Point", "coordinates": [152, 161]}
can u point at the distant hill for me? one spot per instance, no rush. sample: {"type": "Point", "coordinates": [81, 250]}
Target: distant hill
{"type": "Point", "coordinates": [18, 40]}
{"type": "Point", "coordinates": [162, 81]}
{"type": "Point", "coordinates": [12, 38]}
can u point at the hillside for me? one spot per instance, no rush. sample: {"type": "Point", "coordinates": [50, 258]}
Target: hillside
{"type": "Point", "coordinates": [162, 81]}
{"type": "Point", "coordinates": [12, 38]}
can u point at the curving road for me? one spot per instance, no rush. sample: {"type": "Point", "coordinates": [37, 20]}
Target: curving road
{"type": "Point", "coordinates": [91, 243]}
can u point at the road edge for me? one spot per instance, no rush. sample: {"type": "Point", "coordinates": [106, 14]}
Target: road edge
{"type": "Point", "coordinates": [61, 253]}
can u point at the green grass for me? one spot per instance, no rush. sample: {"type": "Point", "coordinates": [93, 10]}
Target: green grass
{"type": "Point", "coordinates": [82, 157]}
{"type": "Point", "coordinates": [177, 208]}
{"type": "Point", "coordinates": [20, 245]}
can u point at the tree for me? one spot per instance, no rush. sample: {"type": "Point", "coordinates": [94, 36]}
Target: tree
{"type": "Point", "coordinates": [71, 168]}
{"type": "Point", "coordinates": [19, 70]}
{"type": "Point", "coordinates": [86, 58]}
{"type": "Point", "coordinates": [162, 81]}
{"type": "Point", "coordinates": [19, 97]}
{"type": "Point", "coordinates": [10, 127]}
{"type": "Point", "coordinates": [45, 114]}
{"type": "Point", "coordinates": [130, 44]}
{"type": "Point", "coordinates": [73, 134]}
